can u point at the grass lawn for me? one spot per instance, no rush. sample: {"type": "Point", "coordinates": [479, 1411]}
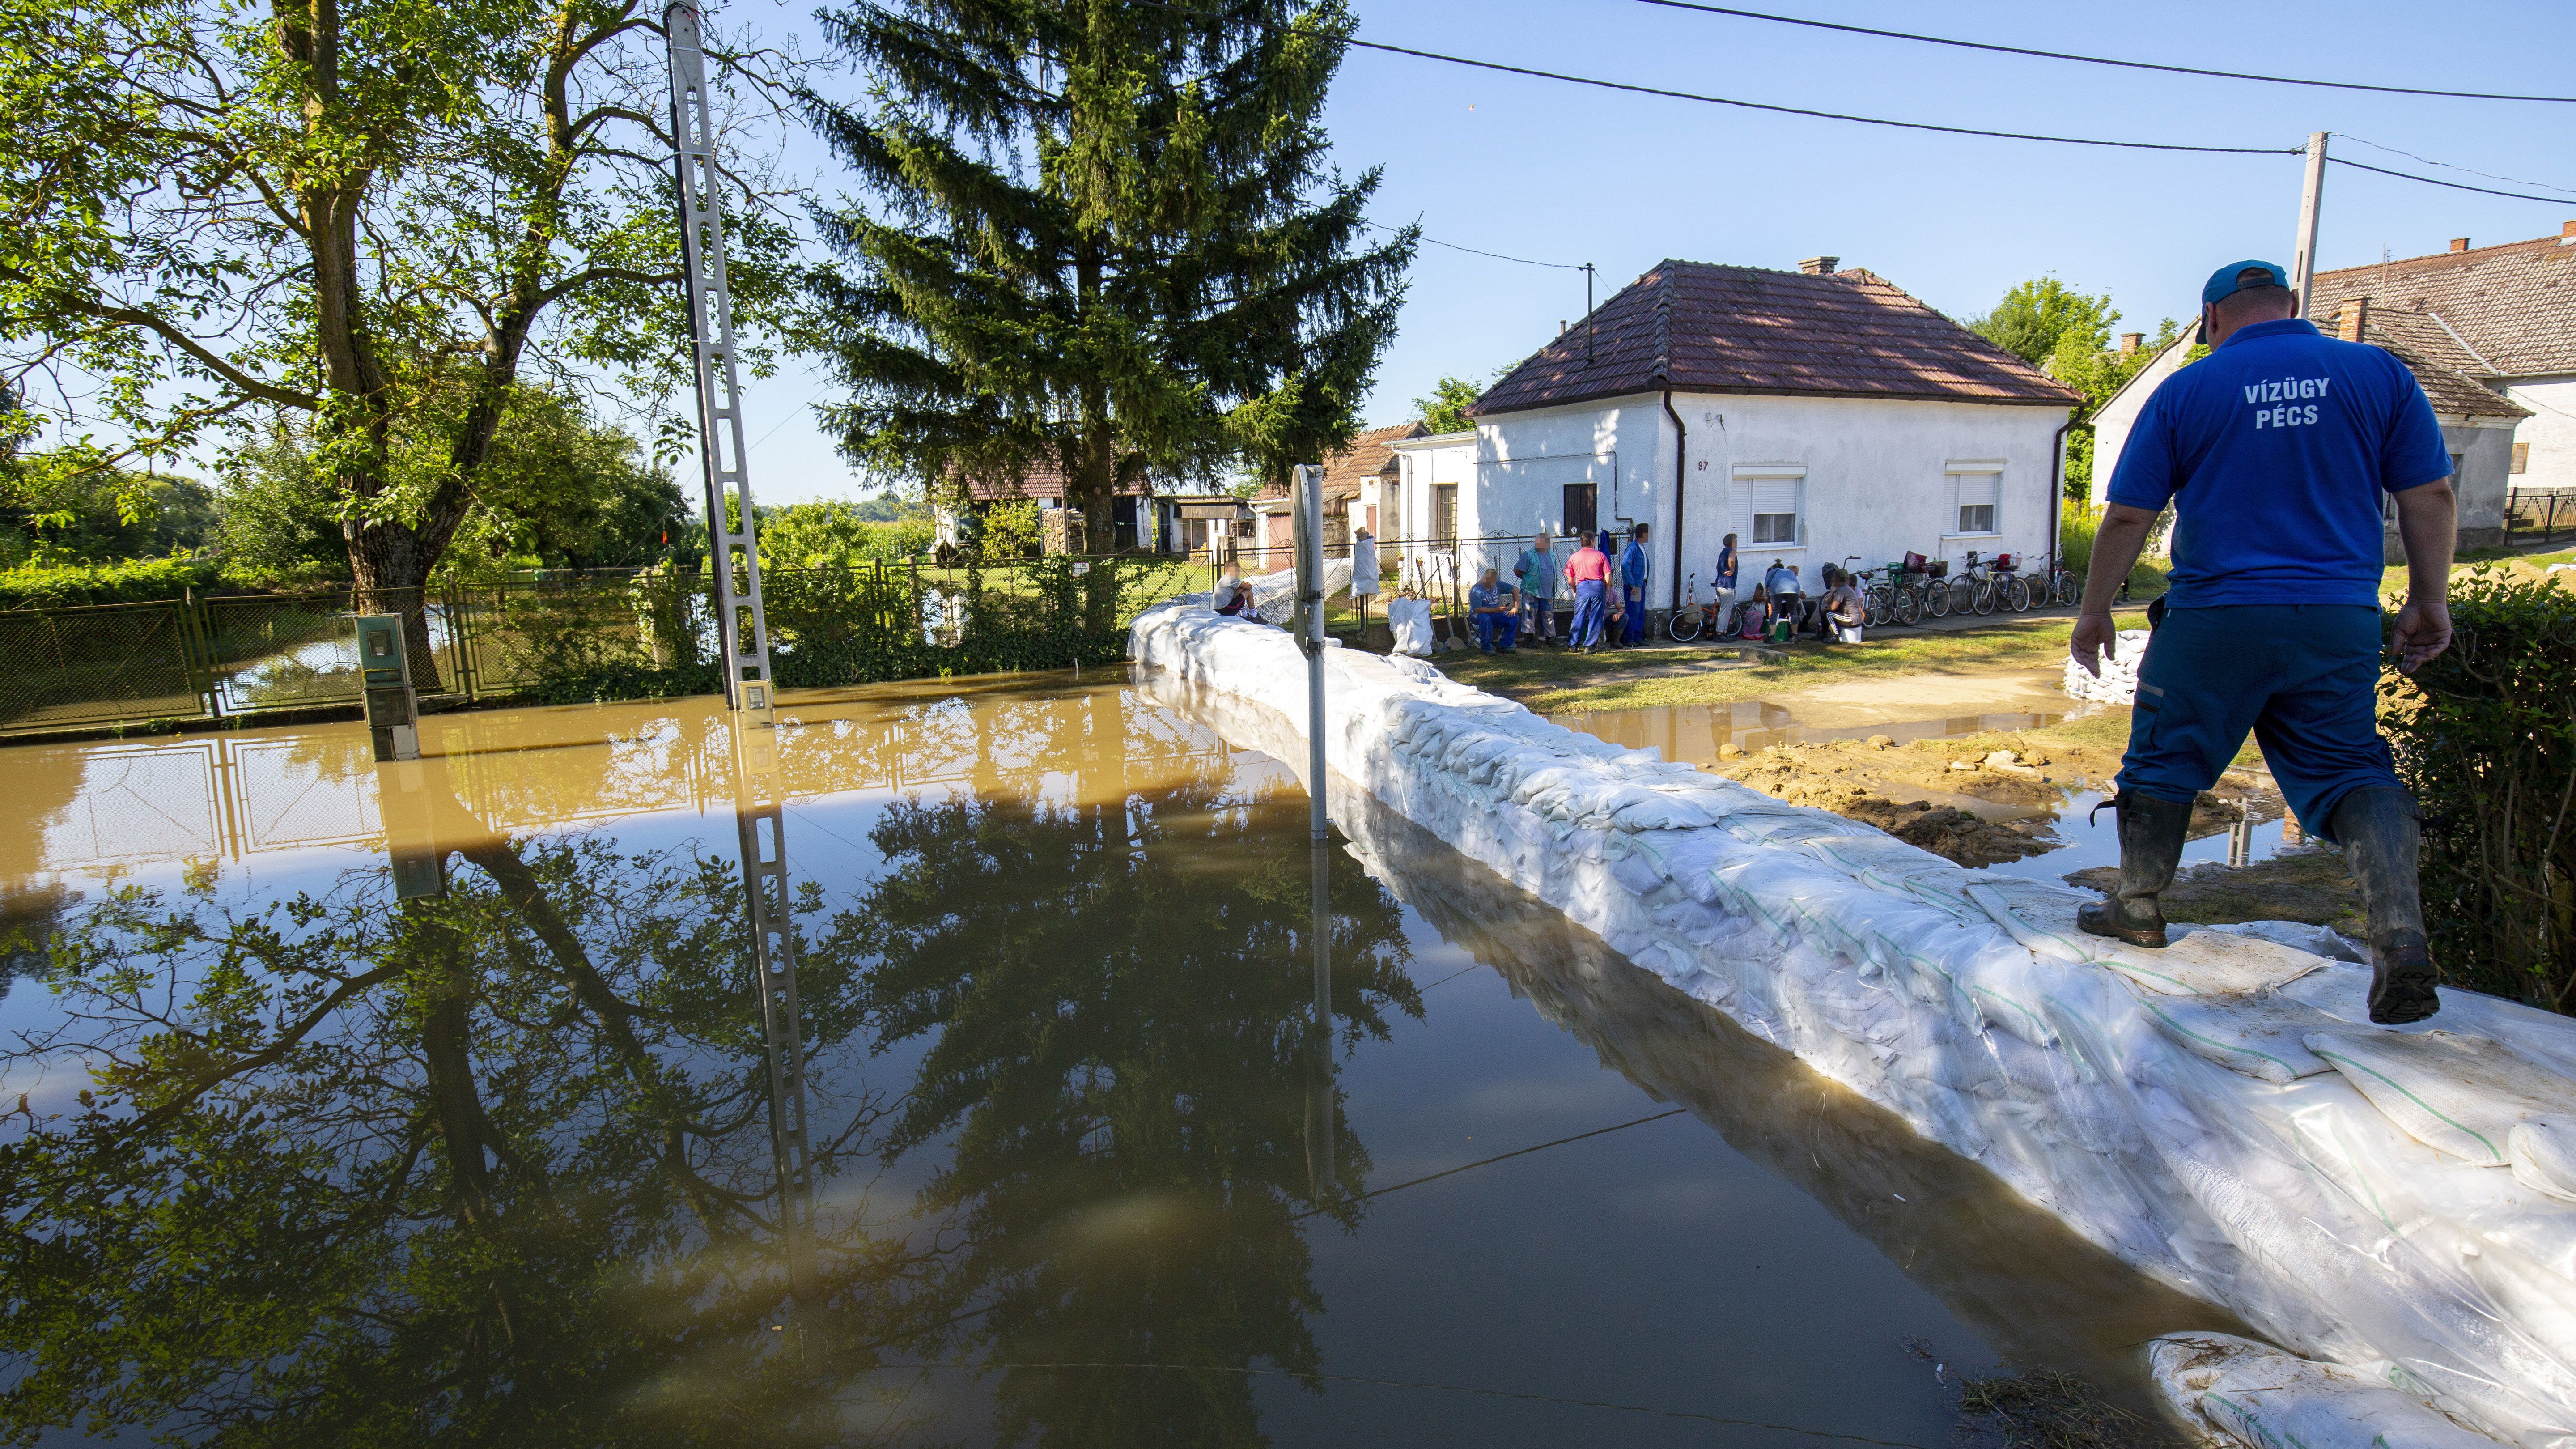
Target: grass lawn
{"type": "Point", "coordinates": [1553, 681]}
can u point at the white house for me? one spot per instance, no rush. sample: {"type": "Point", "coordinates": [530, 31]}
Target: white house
{"type": "Point", "coordinates": [2508, 313]}
{"type": "Point", "coordinates": [2479, 418]}
{"type": "Point", "coordinates": [1820, 415]}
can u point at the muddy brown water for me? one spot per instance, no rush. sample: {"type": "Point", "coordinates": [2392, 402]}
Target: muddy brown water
{"type": "Point", "coordinates": [1089, 1171]}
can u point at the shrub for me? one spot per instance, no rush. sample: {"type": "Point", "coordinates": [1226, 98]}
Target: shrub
{"type": "Point", "coordinates": [132, 581]}
{"type": "Point", "coordinates": [2486, 737]}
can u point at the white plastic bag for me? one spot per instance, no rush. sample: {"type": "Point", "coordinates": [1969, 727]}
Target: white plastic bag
{"type": "Point", "coordinates": [1411, 620]}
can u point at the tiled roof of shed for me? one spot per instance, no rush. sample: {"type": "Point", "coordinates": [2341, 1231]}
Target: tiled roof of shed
{"type": "Point", "coordinates": [1707, 328]}
{"type": "Point", "coordinates": [2513, 305]}
{"type": "Point", "coordinates": [2437, 359]}
{"type": "Point", "coordinates": [1041, 479]}
{"type": "Point", "coordinates": [1368, 455]}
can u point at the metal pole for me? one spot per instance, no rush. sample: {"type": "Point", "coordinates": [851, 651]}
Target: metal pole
{"type": "Point", "coordinates": [760, 819]}
{"type": "Point", "coordinates": [742, 630]}
{"type": "Point", "coordinates": [2303, 261]}
{"type": "Point", "coordinates": [1308, 504]}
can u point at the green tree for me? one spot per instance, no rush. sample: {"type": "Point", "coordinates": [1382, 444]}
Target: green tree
{"type": "Point", "coordinates": [1099, 236]}
{"type": "Point", "coordinates": [2039, 315]}
{"type": "Point", "coordinates": [377, 218]}
{"type": "Point", "coordinates": [86, 515]}
{"type": "Point", "coordinates": [1445, 411]}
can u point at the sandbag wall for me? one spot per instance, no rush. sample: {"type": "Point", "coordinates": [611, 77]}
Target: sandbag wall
{"type": "Point", "coordinates": [2194, 1111]}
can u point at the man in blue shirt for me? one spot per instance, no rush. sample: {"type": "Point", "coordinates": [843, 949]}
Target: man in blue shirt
{"type": "Point", "coordinates": [2275, 452]}
{"type": "Point", "coordinates": [1634, 571]}
{"type": "Point", "coordinates": [1496, 608]}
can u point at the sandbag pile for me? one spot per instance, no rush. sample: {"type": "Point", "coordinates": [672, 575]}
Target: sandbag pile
{"type": "Point", "coordinates": [2218, 1114]}
{"type": "Point", "coordinates": [2118, 683]}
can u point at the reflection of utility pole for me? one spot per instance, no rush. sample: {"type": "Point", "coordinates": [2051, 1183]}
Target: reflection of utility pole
{"type": "Point", "coordinates": [1308, 507]}
{"type": "Point", "coordinates": [759, 811]}
{"type": "Point", "coordinates": [411, 832]}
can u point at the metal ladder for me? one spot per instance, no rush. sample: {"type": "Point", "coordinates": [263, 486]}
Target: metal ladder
{"type": "Point", "coordinates": [743, 635]}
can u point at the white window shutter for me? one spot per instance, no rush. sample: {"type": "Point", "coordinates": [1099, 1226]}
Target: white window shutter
{"type": "Point", "coordinates": [1976, 488]}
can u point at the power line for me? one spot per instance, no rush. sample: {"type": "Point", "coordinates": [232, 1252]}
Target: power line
{"type": "Point", "coordinates": [1802, 111]}
{"type": "Point", "coordinates": [2447, 166]}
{"type": "Point", "coordinates": [2454, 185]}
{"type": "Point", "coordinates": [1479, 251]}
{"type": "Point", "coordinates": [2282, 80]}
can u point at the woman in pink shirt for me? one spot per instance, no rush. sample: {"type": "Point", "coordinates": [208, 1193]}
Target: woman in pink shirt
{"type": "Point", "coordinates": [1589, 571]}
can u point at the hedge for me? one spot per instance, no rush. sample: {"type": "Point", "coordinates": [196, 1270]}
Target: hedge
{"type": "Point", "coordinates": [2486, 737]}
{"type": "Point", "coordinates": [132, 581]}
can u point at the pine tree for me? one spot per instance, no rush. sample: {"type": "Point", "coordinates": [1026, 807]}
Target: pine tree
{"type": "Point", "coordinates": [1101, 236]}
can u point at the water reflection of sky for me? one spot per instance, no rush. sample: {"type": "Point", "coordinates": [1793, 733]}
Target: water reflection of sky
{"type": "Point", "coordinates": [1105, 1091]}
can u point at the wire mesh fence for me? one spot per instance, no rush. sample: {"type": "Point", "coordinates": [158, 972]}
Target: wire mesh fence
{"type": "Point", "coordinates": [604, 635]}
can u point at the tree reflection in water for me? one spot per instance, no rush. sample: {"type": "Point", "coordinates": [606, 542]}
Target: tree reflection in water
{"type": "Point", "coordinates": [1120, 1004]}
{"type": "Point", "coordinates": [486, 1169]}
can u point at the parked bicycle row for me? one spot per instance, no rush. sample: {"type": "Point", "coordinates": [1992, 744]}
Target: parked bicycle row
{"type": "Point", "coordinates": [1905, 592]}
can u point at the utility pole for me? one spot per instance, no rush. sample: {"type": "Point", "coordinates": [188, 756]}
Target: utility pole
{"type": "Point", "coordinates": [2303, 261]}
{"type": "Point", "coordinates": [742, 636]}
{"type": "Point", "coordinates": [742, 631]}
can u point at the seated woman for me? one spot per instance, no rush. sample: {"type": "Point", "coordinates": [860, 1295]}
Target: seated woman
{"type": "Point", "coordinates": [1233, 597]}
{"type": "Point", "coordinates": [1844, 610]}
{"type": "Point", "coordinates": [1755, 614]}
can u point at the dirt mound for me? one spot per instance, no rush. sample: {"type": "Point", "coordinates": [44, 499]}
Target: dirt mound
{"type": "Point", "coordinates": [1952, 833]}
{"type": "Point", "coordinates": [2311, 885]}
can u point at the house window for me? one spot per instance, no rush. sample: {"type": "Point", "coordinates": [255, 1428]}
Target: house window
{"type": "Point", "coordinates": [2522, 457]}
{"type": "Point", "coordinates": [1582, 508]}
{"type": "Point", "coordinates": [1978, 495]}
{"type": "Point", "coordinates": [1775, 510]}
{"type": "Point", "coordinates": [1444, 514]}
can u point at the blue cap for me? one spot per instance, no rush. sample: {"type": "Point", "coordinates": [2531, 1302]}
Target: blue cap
{"type": "Point", "coordinates": [2223, 283]}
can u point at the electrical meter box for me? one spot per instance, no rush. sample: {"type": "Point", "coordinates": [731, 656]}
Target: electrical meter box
{"type": "Point", "coordinates": [384, 671]}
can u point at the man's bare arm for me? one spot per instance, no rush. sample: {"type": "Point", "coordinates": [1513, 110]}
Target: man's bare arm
{"type": "Point", "coordinates": [2428, 520]}
{"type": "Point", "coordinates": [2117, 541]}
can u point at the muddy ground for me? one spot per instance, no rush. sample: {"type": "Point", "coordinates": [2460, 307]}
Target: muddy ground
{"type": "Point", "coordinates": [1987, 798]}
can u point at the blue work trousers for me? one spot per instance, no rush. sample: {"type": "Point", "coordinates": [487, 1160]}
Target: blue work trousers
{"type": "Point", "coordinates": [1591, 600]}
{"type": "Point", "coordinates": [1635, 632]}
{"type": "Point", "coordinates": [1498, 630]}
{"type": "Point", "coordinates": [1539, 614]}
{"type": "Point", "coordinates": [2304, 678]}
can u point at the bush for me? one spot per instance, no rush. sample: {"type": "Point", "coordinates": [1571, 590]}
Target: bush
{"type": "Point", "coordinates": [133, 581]}
{"type": "Point", "coordinates": [2486, 737]}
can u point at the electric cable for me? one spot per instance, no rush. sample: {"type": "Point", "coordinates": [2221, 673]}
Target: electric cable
{"type": "Point", "coordinates": [1645, 90]}
{"type": "Point", "coordinates": [2447, 166]}
{"type": "Point", "coordinates": [1479, 251]}
{"type": "Point", "coordinates": [2453, 185]}
{"type": "Point", "coordinates": [2282, 80]}
{"type": "Point", "coordinates": [1221, 1368]}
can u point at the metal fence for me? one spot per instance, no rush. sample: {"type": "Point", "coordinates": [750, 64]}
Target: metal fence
{"type": "Point", "coordinates": [604, 635]}
{"type": "Point", "coordinates": [2547, 512]}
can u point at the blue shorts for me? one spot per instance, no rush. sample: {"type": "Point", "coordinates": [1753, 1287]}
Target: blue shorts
{"type": "Point", "coordinates": [2303, 678]}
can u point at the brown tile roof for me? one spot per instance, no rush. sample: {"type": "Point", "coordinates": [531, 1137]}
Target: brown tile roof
{"type": "Point", "coordinates": [2447, 370]}
{"type": "Point", "coordinates": [1368, 455]}
{"type": "Point", "coordinates": [1039, 479]}
{"type": "Point", "coordinates": [2513, 305]}
{"type": "Point", "coordinates": [1708, 328]}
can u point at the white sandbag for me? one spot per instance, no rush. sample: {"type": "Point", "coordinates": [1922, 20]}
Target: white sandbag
{"type": "Point", "coordinates": [2323, 941]}
{"type": "Point", "coordinates": [2261, 1398]}
{"type": "Point", "coordinates": [2457, 1093]}
{"type": "Point", "coordinates": [2544, 1155]}
{"type": "Point", "coordinates": [2118, 681]}
{"type": "Point", "coordinates": [1411, 621]}
{"type": "Point", "coordinates": [2262, 1034]}
{"type": "Point", "coordinates": [2205, 963]}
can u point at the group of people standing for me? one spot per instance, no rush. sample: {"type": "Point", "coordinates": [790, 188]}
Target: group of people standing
{"type": "Point", "coordinates": [1609, 594]}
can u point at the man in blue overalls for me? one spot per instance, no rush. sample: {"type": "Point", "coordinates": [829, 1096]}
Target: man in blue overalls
{"type": "Point", "coordinates": [1635, 571]}
{"type": "Point", "coordinates": [2275, 451]}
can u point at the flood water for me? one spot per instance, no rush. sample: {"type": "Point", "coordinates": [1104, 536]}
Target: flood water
{"type": "Point", "coordinates": [496, 1165]}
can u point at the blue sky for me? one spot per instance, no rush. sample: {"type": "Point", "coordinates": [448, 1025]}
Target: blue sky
{"type": "Point", "coordinates": [1564, 173]}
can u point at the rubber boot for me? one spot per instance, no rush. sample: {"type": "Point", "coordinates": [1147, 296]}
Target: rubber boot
{"type": "Point", "coordinates": [2152, 832]}
{"type": "Point", "coordinates": [2380, 838]}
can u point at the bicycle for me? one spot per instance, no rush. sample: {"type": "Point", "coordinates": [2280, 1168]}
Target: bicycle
{"type": "Point", "coordinates": [1692, 618]}
{"type": "Point", "coordinates": [1979, 584]}
{"type": "Point", "coordinates": [2065, 585]}
{"type": "Point", "coordinates": [1903, 602]}
{"type": "Point", "coordinates": [2011, 589]}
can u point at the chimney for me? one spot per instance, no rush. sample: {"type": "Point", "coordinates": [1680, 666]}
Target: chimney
{"type": "Point", "coordinates": [2130, 342]}
{"type": "Point", "coordinates": [1819, 266]}
{"type": "Point", "coordinates": [2567, 233]}
{"type": "Point", "coordinates": [1560, 327]}
{"type": "Point", "coordinates": [2355, 318]}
